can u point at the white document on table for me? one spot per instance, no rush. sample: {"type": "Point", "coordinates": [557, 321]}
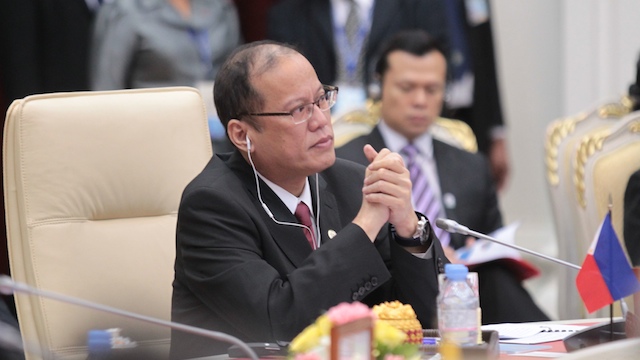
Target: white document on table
{"type": "Point", "coordinates": [523, 333]}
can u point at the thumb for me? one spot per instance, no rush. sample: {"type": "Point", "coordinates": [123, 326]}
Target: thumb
{"type": "Point", "coordinates": [370, 152]}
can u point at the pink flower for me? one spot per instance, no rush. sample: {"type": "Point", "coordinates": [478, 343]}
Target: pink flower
{"type": "Point", "coordinates": [393, 357]}
{"type": "Point", "coordinates": [345, 312]}
{"type": "Point", "coordinates": [310, 356]}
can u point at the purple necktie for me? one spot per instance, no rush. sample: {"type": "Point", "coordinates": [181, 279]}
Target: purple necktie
{"type": "Point", "coordinates": [304, 217]}
{"type": "Point", "coordinates": [424, 198]}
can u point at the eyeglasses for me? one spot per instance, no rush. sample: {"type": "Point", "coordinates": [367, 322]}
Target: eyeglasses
{"type": "Point", "coordinates": [303, 113]}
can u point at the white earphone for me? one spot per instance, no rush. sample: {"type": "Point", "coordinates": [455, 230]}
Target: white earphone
{"type": "Point", "coordinates": [270, 214]}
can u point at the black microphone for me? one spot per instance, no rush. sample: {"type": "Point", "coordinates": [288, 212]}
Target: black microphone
{"type": "Point", "coordinates": [8, 286]}
{"type": "Point", "coordinates": [453, 227]}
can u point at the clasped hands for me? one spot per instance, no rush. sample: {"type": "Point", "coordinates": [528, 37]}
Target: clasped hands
{"type": "Point", "coordinates": [386, 195]}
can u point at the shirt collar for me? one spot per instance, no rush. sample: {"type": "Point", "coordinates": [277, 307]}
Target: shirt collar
{"type": "Point", "coordinates": [291, 201]}
{"type": "Point", "coordinates": [341, 9]}
{"type": "Point", "coordinates": [396, 141]}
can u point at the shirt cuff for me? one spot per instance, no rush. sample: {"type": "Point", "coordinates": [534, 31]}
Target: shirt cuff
{"type": "Point", "coordinates": [425, 255]}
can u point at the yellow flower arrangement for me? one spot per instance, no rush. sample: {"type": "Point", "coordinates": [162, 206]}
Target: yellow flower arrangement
{"type": "Point", "coordinates": [313, 343]}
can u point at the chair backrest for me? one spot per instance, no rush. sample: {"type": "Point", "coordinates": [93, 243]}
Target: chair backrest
{"type": "Point", "coordinates": [604, 162]}
{"type": "Point", "coordinates": [92, 183]}
{"type": "Point", "coordinates": [562, 140]}
{"type": "Point", "coordinates": [359, 122]}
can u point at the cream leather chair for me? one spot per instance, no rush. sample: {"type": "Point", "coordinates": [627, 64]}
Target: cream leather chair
{"type": "Point", "coordinates": [92, 183]}
{"type": "Point", "coordinates": [561, 142]}
{"type": "Point", "coordinates": [360, 122]}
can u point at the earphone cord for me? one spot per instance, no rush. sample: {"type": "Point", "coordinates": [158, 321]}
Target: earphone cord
{"type": "Point", "coordinates": [266, 208]}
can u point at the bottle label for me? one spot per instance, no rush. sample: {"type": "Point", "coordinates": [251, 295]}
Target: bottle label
{"type": "Point", "coordinates": [458, 326]}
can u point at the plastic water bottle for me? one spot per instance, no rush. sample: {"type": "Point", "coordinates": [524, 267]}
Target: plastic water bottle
{"type": "Point", "coordinates": [458, 308]}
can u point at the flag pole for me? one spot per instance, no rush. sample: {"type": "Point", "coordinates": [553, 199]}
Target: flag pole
{"type": "Point", "coordinates": [610, 206]}
{"type": "Point", "coordinates": [611, 321]}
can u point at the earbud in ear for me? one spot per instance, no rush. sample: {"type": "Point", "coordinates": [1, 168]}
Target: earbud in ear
{"type": "Point", "coordinates": [248, 143]}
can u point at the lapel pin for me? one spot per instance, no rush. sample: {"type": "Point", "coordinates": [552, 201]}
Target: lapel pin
{"type": "Point", "coordinates": [332, 234]}
{"type": "Point", "coordinates": [449, 201]}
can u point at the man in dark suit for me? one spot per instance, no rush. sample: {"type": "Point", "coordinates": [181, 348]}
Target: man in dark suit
{"type": "Point", "coordinates": [44, 46]}
{"type": "Point", "coordinates": [632, 218]}
{"type": "Point", "coordinates": [413, 71]}
{"type": "Point", "coordinates": [312, 26]}
{"type": "Point", "coordinates": [473, 91]}
{"type": "Point", "coordinates": [245, 265]}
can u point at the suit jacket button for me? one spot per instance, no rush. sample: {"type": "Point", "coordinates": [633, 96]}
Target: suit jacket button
{"type": "Point", "coordinates": [361, 291]}
{"type": "Point", "coordinates": [354, 297]}
{"type": "Point", "coordinates": [374, 281]}
{"type": "Point", "coordinates": [440, 266]}
{"type": "Point", "coordinates": [368, 285]}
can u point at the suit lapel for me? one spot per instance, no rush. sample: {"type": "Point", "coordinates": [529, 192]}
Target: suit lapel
{"type": "Point", "coordinates": [289, 238]}
{"type": "Point", "coordinates": [329, 216]}
{"type": "Point", "coordinates": [375, 139]}
{"type": "Point", "coordinates": [383, 13]}
{"type": "Point", "coordinates": [448, 183]}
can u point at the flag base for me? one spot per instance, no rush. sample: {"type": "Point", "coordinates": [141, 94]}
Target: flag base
{"type": "Point", "coordinates": [596, 334]}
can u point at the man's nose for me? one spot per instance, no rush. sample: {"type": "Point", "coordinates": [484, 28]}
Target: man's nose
{"type": "Point", "coordinates": [318, 118]}
{"type": "Point", "coordinates": [420, 97]}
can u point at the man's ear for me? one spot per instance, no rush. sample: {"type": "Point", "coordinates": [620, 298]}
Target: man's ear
{"type": "Point", "coordinates": [237, 131]}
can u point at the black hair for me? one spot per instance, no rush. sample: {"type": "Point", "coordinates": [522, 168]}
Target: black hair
{"type": "Point", "coordinates": [233, 93]}
{"type": "Point", "coordinates": [416, 42]}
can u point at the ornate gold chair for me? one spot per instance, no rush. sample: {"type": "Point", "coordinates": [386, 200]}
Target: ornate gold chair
{"type": "Point", "coordinates": [604, 161]}
{"type": "Point", "coordinates": [562, 139]}
{"type": "Point", "coordinates": [92, 183]}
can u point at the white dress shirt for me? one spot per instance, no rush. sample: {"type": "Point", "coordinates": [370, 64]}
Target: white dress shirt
{"type": "Point", "coordinates": [291, 202]}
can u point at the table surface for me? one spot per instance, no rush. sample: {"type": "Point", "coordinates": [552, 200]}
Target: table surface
{"type": "Point", "coordinates": [554, 347]}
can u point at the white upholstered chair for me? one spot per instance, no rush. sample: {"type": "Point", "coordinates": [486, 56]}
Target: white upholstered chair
{"type": "Point", "coordinates": [92, 183]}
{"type": "Point", "coordinates": [562, 140]}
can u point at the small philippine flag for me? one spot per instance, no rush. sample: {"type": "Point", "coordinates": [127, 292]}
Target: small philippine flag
{"type": "Point", "coordinates": [606, 275]}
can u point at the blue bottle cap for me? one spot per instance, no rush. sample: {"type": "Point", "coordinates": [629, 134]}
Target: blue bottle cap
{"type": "Point", "coordinates": [456, 271]}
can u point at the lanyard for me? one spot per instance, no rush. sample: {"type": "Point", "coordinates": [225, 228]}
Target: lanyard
{"type": "Point", "coordinates": [350, 53]}
{"type": "Point", "coordinates": [201, 39]}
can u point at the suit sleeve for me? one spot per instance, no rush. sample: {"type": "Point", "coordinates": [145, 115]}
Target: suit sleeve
{"type": "Point", "coordinates": [416, 280]}
{"type": "Point", "coordinates": [632, 218]}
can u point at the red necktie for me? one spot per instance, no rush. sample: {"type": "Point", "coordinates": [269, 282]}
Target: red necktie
{"type": "Point", "coordinates": [304, 217]}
